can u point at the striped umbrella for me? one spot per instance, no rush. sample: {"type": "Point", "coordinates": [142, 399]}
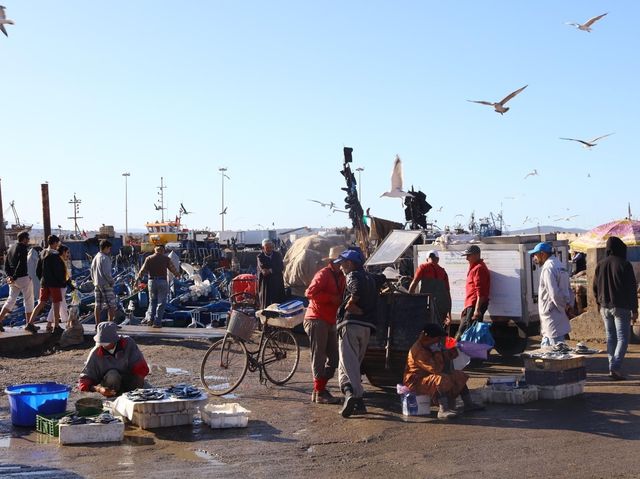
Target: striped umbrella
{"type": "Point", "coordinates": [627, 230]}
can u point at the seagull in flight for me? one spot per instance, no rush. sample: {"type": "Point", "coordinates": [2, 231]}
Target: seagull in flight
{"type": "Point", "coordinates": [396, 181]}
{"type": "Point", "coordinates": [588, 144]}
{"type": "Point", "coordinates": [586, 26]}
{"type": "Point", "coordinates": [439, 209]}
{"type": "Point", "coordinates": [4, 21]}
{"type": "Point", "coordinates": [331, 204]}
{"type": "Point", "coordinates": [531, 173]}
{"type": "Point", "coordinates": [224, 211]}
{"type": "Point", "coordinates": [499, 106]}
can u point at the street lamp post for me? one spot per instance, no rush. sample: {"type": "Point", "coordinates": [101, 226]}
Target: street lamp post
{"type": "Point", "coordinates": [359, 170]}
{"type": "Point", "coordinates": [126, 208]}
{"type": "Point", "coordinates": [223, 211]}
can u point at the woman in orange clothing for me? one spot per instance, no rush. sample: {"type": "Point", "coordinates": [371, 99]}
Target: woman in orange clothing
{"type": "Point", "coordinates": [429, 372]}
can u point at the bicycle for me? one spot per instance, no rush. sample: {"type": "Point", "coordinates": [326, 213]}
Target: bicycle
{"type": "Point", "coordinates": [226, 362]}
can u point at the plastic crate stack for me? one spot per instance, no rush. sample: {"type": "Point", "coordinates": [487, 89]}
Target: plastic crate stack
{"type": "Point", "coordinates": [555, 378]}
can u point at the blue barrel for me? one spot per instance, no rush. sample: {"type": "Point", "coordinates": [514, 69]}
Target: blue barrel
{"type": "Point", "coordinates": [27, 400]}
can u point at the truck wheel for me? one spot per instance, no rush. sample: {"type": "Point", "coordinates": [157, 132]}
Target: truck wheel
{"type": "Point", "coordinates": [509, 340]}
{"type": "Point", "coordinates": [510, 346]}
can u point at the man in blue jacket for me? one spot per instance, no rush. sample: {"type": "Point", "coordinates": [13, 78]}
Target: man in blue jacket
{"type": "Point", "coordinates": [356, 319]}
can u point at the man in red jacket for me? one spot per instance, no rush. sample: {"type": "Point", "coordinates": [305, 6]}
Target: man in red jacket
{"type": "Point", "coordinates": [115, 365]}
{"type": "Point", "coordinates": [325, 295]}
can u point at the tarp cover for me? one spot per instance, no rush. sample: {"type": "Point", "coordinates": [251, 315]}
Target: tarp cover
{"type": "Point", "coordinates": [304, 259]}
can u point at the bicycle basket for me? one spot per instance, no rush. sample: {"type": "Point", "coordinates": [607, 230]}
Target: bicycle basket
{"type": "Point", "coordinates": [241, 324]}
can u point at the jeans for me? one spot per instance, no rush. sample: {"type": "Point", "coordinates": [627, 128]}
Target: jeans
{"type": "Point", "coordinates": [158, 292]}
{"type": "Point", "coordinates": [617, 323]}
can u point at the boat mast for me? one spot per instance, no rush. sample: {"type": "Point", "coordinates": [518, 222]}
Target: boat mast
{"type": "Point", "coordinates": [76, 210]}
{"type": "Point", "coordinates": [161, 189]}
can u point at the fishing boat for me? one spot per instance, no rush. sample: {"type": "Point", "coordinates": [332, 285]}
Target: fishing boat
{"type": "Point", "coordinates": [11, 231]}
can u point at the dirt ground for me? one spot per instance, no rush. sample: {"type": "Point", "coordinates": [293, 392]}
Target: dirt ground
{"type": "Point", "coordinates": [590, 436]}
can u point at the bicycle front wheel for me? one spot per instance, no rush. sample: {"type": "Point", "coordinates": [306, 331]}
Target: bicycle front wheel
{"type": "Point", "coordinates": [224, 366]}
{"type": "Point", "coordinates": [280, 356]}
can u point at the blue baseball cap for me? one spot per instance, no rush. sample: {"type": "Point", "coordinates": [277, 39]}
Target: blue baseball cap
{"type": "Point", "coordinates": [543, 247]}
{"type": "Point", "coordinates": [350, 255]}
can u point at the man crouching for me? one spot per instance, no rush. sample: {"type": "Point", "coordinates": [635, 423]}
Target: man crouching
{"type": "Point", "coordinates": [429, 372]}
{"type": "Point", "coordinates": [115, 365]}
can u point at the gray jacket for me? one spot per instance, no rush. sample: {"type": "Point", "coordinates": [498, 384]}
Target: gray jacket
{"type": "Point", "coordinates": [101, 270]}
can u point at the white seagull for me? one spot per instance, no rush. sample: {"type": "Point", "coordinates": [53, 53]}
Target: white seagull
{"type": "Point", "coordinates": [586, 26]}
{"type": "Point", "coordinates": [396, 181]}
{"type": "Point", "coordinates": [499, 106]}
{"type": "Point", "coordinates": [4, 21]}
{"type": "Point", "coordinates": [531, 173]}
{"type": "Point", "coordinates": [588, 144]}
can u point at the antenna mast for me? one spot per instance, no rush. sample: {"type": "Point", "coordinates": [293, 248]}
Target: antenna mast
{"type": "Point", "coordinates": [76, 210]}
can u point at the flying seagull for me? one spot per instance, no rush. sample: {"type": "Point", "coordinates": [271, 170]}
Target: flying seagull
{"type": "Point", "coordinates": [499, 106]}
{"type": "Point", "coordinates": [588, 144]}
{"type": "Point", "coordinates": [396, 181]}
{"type": "Point", "coordinates": [531, 173]}
{"type": "Point", "coordinates": [224, 211]}
{"type": "Point", "coordinates": [4, 21]}
{"type": "Point", "coordinates": [586, 26]}
{"type": "Point", "coordinates": [331, 204]}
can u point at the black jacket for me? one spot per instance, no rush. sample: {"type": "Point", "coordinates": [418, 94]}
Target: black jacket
{"type": "Point", "coordinates": [365, 287]}
{"type": "Point", "coordinates": [15, 263]}
{"type": "Point", "coordinates": [614, 284]}
{"type": "Point", "coordinates": [52, 270]}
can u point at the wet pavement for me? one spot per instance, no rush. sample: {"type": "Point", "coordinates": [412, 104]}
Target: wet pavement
{"type": "Point", "coordinates": [593, 435]}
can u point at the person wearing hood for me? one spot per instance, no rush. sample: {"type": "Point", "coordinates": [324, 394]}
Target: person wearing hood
{"type": "Point", "coordinates": [615, 290]}
{"type": "Point", "coordinates": [115, 365]}
{"type": "Point", "coordinates": [554, 295]}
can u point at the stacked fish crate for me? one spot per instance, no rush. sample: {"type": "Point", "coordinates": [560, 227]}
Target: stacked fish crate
{"type": "Point", "coordinates": [556, 376]}
{"type": "Point", "coordinates": [155, 408]}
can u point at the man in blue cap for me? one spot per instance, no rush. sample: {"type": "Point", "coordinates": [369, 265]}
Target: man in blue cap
{"type": "Point", "coordinates": [356, 319]}
{"type": "Point", "coordinates": [554, 295]}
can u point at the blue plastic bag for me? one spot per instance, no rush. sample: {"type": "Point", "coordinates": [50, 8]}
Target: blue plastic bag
{"type": "Point", "coordinates": [478, 333]}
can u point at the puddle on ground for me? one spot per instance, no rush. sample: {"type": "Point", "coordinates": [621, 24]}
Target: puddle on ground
{"type": "Point", "coordinates": [231, 396]}
{"type": "Point", "coordinates": [138, 440]}
{"type": "Point", "coordinates": [199, 455]}
{"type": "Point", "coordinates": [155, 369]}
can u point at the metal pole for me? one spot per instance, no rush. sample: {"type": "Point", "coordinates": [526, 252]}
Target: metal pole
{"type": "Point", "coordinates": [359, 170]}
{"type": "Point", "coordinates": [222, 211]}
{"type": "Point", "coordinates": [126, 208]}
{"type": "Point", "coordinates": [46, 214]}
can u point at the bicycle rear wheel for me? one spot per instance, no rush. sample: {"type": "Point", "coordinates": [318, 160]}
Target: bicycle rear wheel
{"type": "Point", "coordinates": [224, 366]}
{"type": "Point", "coordinates": [280, 356]}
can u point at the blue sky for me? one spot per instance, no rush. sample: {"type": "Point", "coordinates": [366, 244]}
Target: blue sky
{"type": "Point", "coordinates": [274, 90]}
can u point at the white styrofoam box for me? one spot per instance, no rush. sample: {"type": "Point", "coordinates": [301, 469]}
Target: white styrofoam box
{"type": "Point", "coordinates": [510, 396]}
{"type": "Point", "coordinates": [424, 405]}
{"type": "Point", "coordinates": [123, 406]}
{"type": "Point", "coordinates": [561, 391]}
{"type": "Point", "coordinates": [220, 416]}
{"type": "Point", "coordinates": [86, 433]}
{"type": "Point", "coordinates": [153, 421]}
{"type": "Point", "coordinates": [508, 380]}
